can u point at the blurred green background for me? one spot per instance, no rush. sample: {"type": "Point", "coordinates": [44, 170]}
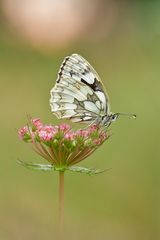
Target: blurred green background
{"type": "Point", "coordinates": [121, 39]}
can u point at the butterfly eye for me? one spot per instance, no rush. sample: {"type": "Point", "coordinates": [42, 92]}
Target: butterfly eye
{"type": "Point", "coordinates": [114, 117]}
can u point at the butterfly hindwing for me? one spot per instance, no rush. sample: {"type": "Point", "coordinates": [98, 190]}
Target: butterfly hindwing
{"type": "Point", "coordinates": [79, 94]}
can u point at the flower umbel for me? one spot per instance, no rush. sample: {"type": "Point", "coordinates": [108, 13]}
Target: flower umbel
{"type": "Point", "coordinates": [61, 146]}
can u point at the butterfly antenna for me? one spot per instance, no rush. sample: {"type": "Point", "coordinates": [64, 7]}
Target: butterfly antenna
{"type": "Point", "coordinates": [127, 114]}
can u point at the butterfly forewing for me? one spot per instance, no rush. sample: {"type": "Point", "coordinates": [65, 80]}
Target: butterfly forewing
{"type": "Point", "coordinates": [79, 94]}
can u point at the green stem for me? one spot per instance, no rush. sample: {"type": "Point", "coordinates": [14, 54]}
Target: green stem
{"type": "Point", "coordinates": [61, 200]}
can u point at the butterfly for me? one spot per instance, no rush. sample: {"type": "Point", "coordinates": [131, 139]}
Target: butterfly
{"type": "Point", "coordinates": [79, 94]}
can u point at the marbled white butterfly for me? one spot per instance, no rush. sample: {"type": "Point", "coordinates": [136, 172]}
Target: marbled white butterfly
{"type": "Point", "coordinates": [79, 94]}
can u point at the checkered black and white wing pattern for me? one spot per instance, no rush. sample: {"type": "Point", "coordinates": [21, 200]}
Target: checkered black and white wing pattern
{"type": "Point", "coordinates": [78, 94]}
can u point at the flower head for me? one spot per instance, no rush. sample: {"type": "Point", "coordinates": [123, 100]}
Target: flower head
{"type": "Point", "coordinates": [61, 145]}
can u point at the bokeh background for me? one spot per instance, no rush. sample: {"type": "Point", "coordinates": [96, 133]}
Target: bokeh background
{"type": "Point", "coordinates": [121, 39]}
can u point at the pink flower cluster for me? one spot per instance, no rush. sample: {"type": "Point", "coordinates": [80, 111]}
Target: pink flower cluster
{"type": "Point", "coordinates": [60, 143]}
{"type": "Point", "coordinates": [44, 132]}
{"type": "Point", "coordinates": [38, 132]}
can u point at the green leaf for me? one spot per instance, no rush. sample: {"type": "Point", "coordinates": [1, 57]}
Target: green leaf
{"type": "Point", "coordinates": [37, 166]}
{"type": "Point", "coordinates": [89, 171]}
{"type": "Point", "coordinates": [49, 167]}
{"type": "Point", "coordinates": [41, 167]}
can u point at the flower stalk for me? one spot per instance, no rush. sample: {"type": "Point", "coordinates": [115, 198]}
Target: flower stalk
{"type": "Point", "coordinates": [61, 199]}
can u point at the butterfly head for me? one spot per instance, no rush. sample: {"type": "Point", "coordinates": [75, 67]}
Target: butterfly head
{"type": "Point", "coordinates": [108, 119]}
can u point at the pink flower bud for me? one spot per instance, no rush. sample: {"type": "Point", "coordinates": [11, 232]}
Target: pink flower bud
{"type": "Point", "coordinates": [37, 123]}
{"type": "Point", "coordinates": [82, 133]}
{"type": "Point", "coordinates": [69, 136]}
{"type": "Point", "coordinates": [49, 129]}
{"type": "Point", "coordinates": [46, 133]}
{"type": "Point", "coordinates": [44, 136]}
{"type": "Point", "coordinates": [94, 127]}
{"type": "Point", "coordinates": [22, 131]}
{"type": "Point", "coordinates": [64, 127]}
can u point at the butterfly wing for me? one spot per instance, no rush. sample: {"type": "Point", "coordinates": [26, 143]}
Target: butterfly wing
{"type": "Point", "coordinates": [78, 94]}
